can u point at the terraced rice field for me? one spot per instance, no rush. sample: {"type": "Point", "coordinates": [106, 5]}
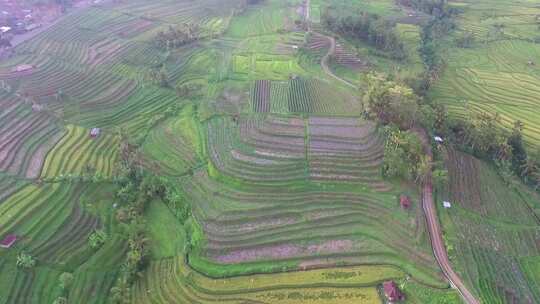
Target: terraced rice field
{"type": "Point", "coordinates": [333, 285]}
{"type": "Point", "coordinates": [495, 229]}
{"type": "Point", "coordinates": [333, 206]}
{"type": "Point", "coordinates": [282, 176]}
{"type": "Point", "coordinates": [77, 153]}
{"type": "Point", "coordinates": [500, 73]}
{"type": "Point", "coordinates": [25, 137]}
{"type": "Point", "coordinates": [302, 95]}
{"type": "Point", "coordinates": [174, 146]}
{"type": "Point", "coordinates": [89, 70]}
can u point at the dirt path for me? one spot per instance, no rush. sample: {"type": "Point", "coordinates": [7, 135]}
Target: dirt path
{"type": "Point", "coordinates": [326, 58]}
{"type": "Point", "coordinates": [435, 233]}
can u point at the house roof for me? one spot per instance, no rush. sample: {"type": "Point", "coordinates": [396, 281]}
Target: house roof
{"type": "Point", "coordinates": [404, 201]}
{"type": "Point", "coordinates": [8, 241]}
{"type": "Point", "coordinates": [392, 291]}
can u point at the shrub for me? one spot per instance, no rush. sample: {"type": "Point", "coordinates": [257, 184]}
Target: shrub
{"type": "Point", "coordinates": [25, 260]}
{"type": "Point", "coordinates": [97, 238]}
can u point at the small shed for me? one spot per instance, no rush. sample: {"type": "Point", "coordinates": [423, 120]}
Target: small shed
{"type": "Point", "coordinates": [405, 201]}
{"type": "Point", "coordinates": [4, 29]}
{"type": "Point", "coordinates": [446, 204]}
{"type": "Point", "coordinates": [95, 132]}
{"type": "Point", "coordinates": [23, 68]}
{"type": "Point", "coordinates": [438, 139]}
{"type": "Point", "coordinates": [392, 292]}
{"type": "Point", "coordinates": [8, 241]}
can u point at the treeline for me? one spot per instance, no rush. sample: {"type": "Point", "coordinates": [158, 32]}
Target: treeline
{"type": "Point", "coordinates": [137, 188]}
{"type": "Point", "coordinates": [366, 27]}
{"type": "Point", "coordinates": [397, 107]}
{"type": "Point", "coordinates": [432, 34]}
{"type": "Point", "coordinates": [175, 37]}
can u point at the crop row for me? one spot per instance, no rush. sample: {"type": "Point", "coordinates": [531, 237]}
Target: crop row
{"type": "Point", "coordinates": [485, 221]}
{"type": "Point", "coordinates": [25, 138]}
{"type": "Point", "coordinates": [301, 95]}
{"type": "Point", "coordinates": [180, 284]}
{"type": "Point", "coordinates": [77, 153]}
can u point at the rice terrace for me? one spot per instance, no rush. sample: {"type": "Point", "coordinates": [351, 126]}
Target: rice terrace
{"type": "Point", "coordinates": [270, 151]}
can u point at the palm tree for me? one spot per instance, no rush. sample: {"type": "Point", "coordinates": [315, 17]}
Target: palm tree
{"type": "Point", "coordinates": [25, 260]}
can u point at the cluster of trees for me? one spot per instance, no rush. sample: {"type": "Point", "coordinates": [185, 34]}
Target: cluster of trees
{"type": "Point", "coordinates": [396, 103]}
{"type": "Point", "coordinates": [404, 156]}
{"type": "Point", "coordinates": [137, 189]}
{"type": "Point", "coordinates": [65, 281]}
{"type": "Point", "coordinates": [366, 27]}
{"type": "Point", "coordinates": [97, 238]}
{"type": "Point", "coordinates": [175, 37]}
{"type": "Point", "coordinates": [159, 76]}
{"type": "Point", "coordinates": [25, 260]}
{"type": "Point", "coordinates": [482, 135]}
{"type": "Point", "coordinates": [189, 90]}
{"type": "Point", "coordinates": [397, 107]}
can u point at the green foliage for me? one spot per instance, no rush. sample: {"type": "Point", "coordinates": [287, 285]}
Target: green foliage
{"type": "Point", "coordinates": [391, 102]}
{"type": "Point", "coordinates": [177, 37]}
{"type": "Point", "coordinates": [25, 260]}
{"type": "Point", "coordinates": [465, 39]}
{"type": "Point", "coordinates": [403, 155]}
{"type": "Point", "coordinates": [366, 27]}
{"type": "Point", "coordinates": [60, 300]}
{"type": "Point", "coordinates": [97, 238]}
{"type": "Point", "coordinates": [66, 280]}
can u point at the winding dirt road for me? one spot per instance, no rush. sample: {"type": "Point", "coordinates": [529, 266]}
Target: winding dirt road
{"type": "Point", "coordinates": [428, 203]}
{"type": "Point", "coordinates": [326, 58]}
{"type": "Point", "coordinates": [435, 233]}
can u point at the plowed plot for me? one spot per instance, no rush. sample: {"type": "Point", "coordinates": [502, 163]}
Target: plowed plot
{"type": "Point", "coordinates": [348, 58]}
{"type": "Point", "coordinates": [494, 228]}
{"type": "Point", "coordinates": [261, 96]}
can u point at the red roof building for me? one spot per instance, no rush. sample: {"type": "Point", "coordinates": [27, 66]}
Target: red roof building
{"type": "Point", "coordinates": [8, 241]}
{"type": "Point", "coordinates": [392, 292]}
{"type": "Point", "coordinates": [405, 201]}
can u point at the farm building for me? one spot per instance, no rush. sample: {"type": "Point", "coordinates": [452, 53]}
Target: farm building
{"type": "Point", "coordinates": [405, 201]}
{"type": "Point", "coordinates": [392, 292]}
{"type": "Point", "coordinates": [95, 132]}
{"type": "Point", "coordinates": [447, 204]}
{"type": "Point", "coordinates": [8, 241]}
{"type": "Point", "coordinates": [23, 68]}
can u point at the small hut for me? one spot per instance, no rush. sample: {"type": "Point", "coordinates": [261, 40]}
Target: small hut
{"type": "Point", "coordinates": [447, 204]}
{"type": "Point", "coordinates": [23, 68]}
{"type": "Point", "coordinates": [95, 132]}
{"type": "Point", "coordinates": [405, 201]}
{"type": "Point", "coordinates": [8, 241]}
{"type": "Point", "coordinates": [392, 292]}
